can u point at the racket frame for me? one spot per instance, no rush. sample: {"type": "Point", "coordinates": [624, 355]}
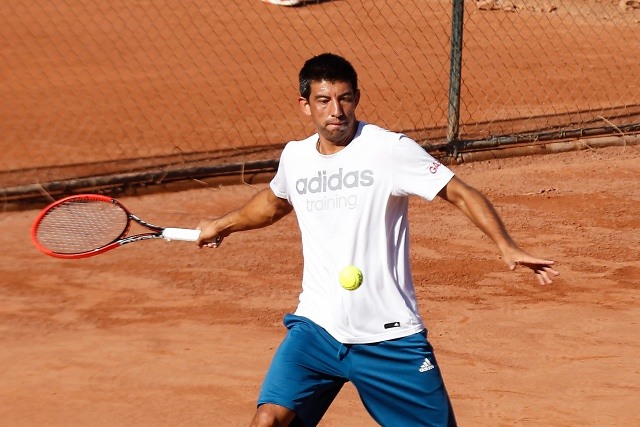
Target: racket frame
{"type": "Point", "coordinates": [157, 232]}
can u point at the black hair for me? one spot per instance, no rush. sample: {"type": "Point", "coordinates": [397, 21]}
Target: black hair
{"type": "Point", "coordinates": [328, 67]}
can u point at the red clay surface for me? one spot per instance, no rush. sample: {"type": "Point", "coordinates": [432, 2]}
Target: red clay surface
{"type": "Point", "coordinates": [165, 334]}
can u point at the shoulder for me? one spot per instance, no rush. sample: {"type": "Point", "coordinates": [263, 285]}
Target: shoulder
{"type": "Point", "coordinates": [376, 140]}
{"type": "Point", "coordinates": [368, 130]}
{"type": "Point", "coordinates": [394, 143]}
{"type": "Point", "coordinates": [299, 146]}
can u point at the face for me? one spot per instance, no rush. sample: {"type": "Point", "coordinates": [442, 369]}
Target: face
{"type": "Point", "coordinates": [332, 108]}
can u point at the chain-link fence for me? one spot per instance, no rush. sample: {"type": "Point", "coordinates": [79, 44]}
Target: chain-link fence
{"type": "Point", "coordinates": [103, 93]}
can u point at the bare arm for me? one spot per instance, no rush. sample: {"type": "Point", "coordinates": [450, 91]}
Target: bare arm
{"type": "Point", "coordinates": [261, 210]}
{"type": "Point", "coordinates": [480, 210]}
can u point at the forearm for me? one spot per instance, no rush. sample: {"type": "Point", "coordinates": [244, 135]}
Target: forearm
{"type": "Point", "coordinates": [261, 210]}
{"type": "Point", "coordinates": [484, 215]}
{"type": "Point", "coordinates": [479, 210]}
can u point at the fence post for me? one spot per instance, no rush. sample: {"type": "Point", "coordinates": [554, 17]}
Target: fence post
{"type": "Point", "coordinates": [455, 76]}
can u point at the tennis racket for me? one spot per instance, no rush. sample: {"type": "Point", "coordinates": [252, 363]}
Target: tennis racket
{"type": "Point", "coordinates": [85, 225]}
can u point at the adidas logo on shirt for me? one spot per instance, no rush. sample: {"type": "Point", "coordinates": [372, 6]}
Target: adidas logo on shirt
{"type": "Point", "coordinates": [323, 182]}
{"type": "Point", "coordinates": [426, 366]}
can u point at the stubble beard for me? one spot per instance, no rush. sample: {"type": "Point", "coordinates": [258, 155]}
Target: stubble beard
{"type": "Point", "coordinates": [341, 136]}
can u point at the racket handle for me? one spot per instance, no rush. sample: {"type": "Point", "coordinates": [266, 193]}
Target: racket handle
{"type": "Point", "coordinates": [183, 234]}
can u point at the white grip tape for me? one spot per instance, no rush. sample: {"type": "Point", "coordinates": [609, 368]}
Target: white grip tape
{"type": "Point", "coordinates": [183, 234]}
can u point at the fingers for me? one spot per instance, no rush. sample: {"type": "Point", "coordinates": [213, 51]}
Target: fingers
{"type": "Point", "coordinates": [544, 277]}
{"type": "Point", "coordinates": [213, 242]}
{"type": "Point", "coordinates": [547, 274]}
{"type": "Point", "coordinates": [209, 235]}
{"type": "Point", "coordinates": [544, 273]}
{"type": "Point", "coordinates": [542, 269]}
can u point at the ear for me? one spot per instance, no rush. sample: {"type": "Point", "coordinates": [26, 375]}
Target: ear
{"type": "Point", "coordinates": [304, 106]}
{"type": "Point", "coordinates": [357, 97]}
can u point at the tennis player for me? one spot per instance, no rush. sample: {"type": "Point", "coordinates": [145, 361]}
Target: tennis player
{"type": "Point", "coordinates": [349, 184]}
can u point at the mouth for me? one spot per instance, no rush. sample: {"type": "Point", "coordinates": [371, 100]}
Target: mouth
{"type": "Point", "coordinates": [336, 124]}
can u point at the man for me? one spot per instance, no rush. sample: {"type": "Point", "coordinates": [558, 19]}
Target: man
{"type": "Point", "coordinates": [349, 185]}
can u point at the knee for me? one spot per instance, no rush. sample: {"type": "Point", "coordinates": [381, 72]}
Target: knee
{"type": "Point", "coordinates": [272, 416]}
{"type": "Point", "coordinates": [263, 419]}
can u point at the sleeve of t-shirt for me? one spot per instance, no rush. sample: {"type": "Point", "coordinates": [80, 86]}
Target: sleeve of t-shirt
{"type": "Point", "coordinates": [279, 182]}
{"type": "Point", "coordinates": [416, 172]}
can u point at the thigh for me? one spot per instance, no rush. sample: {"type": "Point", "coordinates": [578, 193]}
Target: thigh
{"type": "Point", "coordinates": [305, 374]}
{"type": "Point", "coordinates": [400, 383]}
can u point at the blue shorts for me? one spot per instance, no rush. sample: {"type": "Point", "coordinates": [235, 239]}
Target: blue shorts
{"type": "Point", "coordinates": [398, 380]}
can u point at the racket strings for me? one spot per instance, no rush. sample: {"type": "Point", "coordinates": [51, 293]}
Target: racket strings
{"type": "Point", "coordinates": [81, 226]}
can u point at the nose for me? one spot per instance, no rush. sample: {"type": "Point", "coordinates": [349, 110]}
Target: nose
{"type": "Point", "coordinates": [336, 109]}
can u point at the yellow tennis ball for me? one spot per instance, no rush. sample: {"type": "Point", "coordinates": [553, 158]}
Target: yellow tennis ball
{"type": "Point", "coordinates": [351, 278]}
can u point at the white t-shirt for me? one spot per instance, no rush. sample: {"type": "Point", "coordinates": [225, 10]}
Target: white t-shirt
{"type": "Point", "coordinates": [352, 210]}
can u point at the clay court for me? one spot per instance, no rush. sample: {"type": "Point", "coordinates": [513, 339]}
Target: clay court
{"type": "Point", "coordinates": [166, 334]}
{"type": "Point", "coordinates": [159, 333]}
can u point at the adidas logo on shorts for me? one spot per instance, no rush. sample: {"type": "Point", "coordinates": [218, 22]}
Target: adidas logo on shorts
{"type": "Point", "coordinates": [426, 366]}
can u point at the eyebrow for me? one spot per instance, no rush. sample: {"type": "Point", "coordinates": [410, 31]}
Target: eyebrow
{"type": "Point", "coordinates": [341, 95]}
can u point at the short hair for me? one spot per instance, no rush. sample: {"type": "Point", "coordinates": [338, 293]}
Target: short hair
{"type": "Point", "coordinates": [328, 67]}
